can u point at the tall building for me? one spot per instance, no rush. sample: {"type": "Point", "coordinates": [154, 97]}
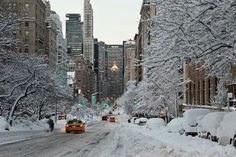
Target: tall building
{"type": "Point", "coordinates": [88, 46]}
{"type": "Point", "coordinates": [102, 76]}
{"type": "Point", "coordinates": [74, 33]}
{"type": "Point", "coordinates": [115, 70]}
{"type": "Point", "coordinates": [51, 37]}
{"type": "Point", "coordinates": [31, 31]}
{"type": "Point", "coordinates": [143, 39]}
{"type": "Point", "coordinates": [129, 60]}
{"type": "Point", "coordinates": [138, 58]}
{"type": "Point", "coordinates": [62, 57]}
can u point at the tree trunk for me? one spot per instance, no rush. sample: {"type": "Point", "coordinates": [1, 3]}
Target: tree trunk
{"type": "Point", "coordinates": [13, 109]}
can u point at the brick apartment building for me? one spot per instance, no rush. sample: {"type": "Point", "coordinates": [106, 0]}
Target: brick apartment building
{"type": "Point", "coordinates": [201, 90]}
{"type": "Point", "coordinates": [31, 29]}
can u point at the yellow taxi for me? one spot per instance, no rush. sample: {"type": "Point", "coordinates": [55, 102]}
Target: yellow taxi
{"type": "Point", "coordinates": [75, 125]}
{"type": "Point", "coordinates": [112, 119]}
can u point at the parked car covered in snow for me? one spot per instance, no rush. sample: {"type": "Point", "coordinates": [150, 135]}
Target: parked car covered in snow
{"type": "Point", "coordinates": [140, 121]}
{"type": "Point", "coordinates": [208, 125]}
{"type": "Point", "coordinates": [191, 118]}
{"type": "Point", "coordinates": [175, 125]}
{"type": "Point", "coordinates": [132, 119]}
{"type": "Point", "coordinates": [155, 123]}
{"type": "Point", "coordinates": [227, 128]}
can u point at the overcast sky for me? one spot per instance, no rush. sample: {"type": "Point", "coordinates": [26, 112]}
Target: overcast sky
{"type": "Point", "coordinates": [114, 20]}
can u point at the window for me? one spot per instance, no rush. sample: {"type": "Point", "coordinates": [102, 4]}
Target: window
{"type": "Point", "coordinates": [26, 5]}
{"type": "Point", "coordinates": [26, 41]}
{"type": "Point", "coordinates": [26, 33]}
{"type": "Point", "coordinates": [10, 5]}
{"type": "Point", "coordinates": [26, 24]}
{"type": "Point", "coordinates": [26, 50]}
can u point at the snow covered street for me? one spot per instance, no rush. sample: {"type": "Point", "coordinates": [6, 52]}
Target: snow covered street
{"type": "Point", "coordinates": [121, 139]}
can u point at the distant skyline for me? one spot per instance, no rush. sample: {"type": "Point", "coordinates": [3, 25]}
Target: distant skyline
{"type": "Point", "coordinates": [114, 20]}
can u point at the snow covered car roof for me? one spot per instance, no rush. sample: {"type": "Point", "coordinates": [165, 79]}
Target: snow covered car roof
{"type": "Point", "coordinates": [193, 115]}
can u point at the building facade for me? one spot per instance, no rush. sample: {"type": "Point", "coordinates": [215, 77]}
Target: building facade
{"type": "Point", "coordinates": [102, 66]}
{"type": "Point", "coordinates": [88, 44]}
{"type": "Point", "coordinates": [129, 60]}
{"type": "Point", "coordinates": [144, 38]}
{"type": "Point", "coordinates": [200, 89]}
{"type": "Point", "coordinates": [31, 31]}
{"type": "Point", "coordinates": [51, 37]}
{"type": "Point", "coordinates": [62, 57]}
{"type": "Point", "coordinates": [74, 33]}
{"type": "Point", "coordinates": [115, 70]}
{"type": "Point", "coordinates": [138, 57]}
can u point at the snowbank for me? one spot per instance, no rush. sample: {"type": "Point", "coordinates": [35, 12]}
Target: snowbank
{"type": "Point", "coordinates": [4, 126]}
{"type": "Point", "coordinates": [27, 125]}
{"type": "Point", "coordinates": [155, 123]}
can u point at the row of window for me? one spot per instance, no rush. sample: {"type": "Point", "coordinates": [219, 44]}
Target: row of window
{"type": "Point", "coordinates": [13, 5]}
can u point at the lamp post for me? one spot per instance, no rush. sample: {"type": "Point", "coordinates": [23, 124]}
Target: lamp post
{"type": "Point", "coordinates": [229, 96]}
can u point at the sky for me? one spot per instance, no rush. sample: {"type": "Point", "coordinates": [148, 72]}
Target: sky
{"type": "Point", "coordinates": [114, 20]}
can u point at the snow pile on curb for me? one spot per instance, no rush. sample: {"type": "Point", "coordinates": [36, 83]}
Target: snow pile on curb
{"type": "Point", "coordinates": [4, 126]}
{"type": "Point", "coordinates": [27, 125]}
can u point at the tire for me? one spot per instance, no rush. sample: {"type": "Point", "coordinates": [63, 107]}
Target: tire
{"type": "Point", "coordinates": [67, 131]}
{"type": "Point", "coordinates": [209, 137]}
{"type": "Point", "coordinates": [181, 131]}
{"type": "Point", "coordinates": [234, 142]}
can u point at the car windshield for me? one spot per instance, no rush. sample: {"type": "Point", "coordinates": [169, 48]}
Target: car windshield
{"type": "Point", "coordinates": [74, 121]}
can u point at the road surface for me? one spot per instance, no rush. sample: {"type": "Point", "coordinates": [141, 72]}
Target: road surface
{"type": "Point", "coordinates": [105, 139]}
{"type": "Point", "coordinates": [59, 143]}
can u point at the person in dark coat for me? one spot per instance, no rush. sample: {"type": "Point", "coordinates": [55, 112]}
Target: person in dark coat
{"type": "Point", "coordinates": [51, 124]}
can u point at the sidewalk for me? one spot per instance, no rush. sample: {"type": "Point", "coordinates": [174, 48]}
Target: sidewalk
{"type": "Point", "coordinates": [17, 136]}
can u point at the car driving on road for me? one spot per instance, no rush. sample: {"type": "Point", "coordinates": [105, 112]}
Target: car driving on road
{"type": "Point", "coordinates": [75, 125]}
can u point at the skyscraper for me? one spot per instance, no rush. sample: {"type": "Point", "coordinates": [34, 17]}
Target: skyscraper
{"type": "Point", "coordinates": [115, 70]}
{"type": "Point", "coordinates": [88, 46]}
{"type": "Point", "coordinates": [74, 33]}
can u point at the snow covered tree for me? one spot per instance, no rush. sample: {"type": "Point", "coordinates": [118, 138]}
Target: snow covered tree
{"type": "Point", "coordinates": [29, 88]}
{"type": "Point", "coordinates": [199, 31]}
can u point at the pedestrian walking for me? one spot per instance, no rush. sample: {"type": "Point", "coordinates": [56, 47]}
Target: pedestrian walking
{"type": "Point", "coordinates": [51, 124]}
